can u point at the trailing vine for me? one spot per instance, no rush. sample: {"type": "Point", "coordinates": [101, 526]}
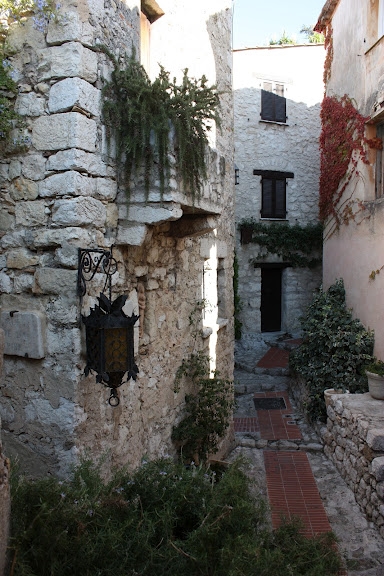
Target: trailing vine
{"type": "Point", "coordinates": [148, 118]}
{"type": "Point", "coordinates": [328, 45]}
{"type": "Point", "coordinates": [342, 144]}
{"type": "Point", "coordinates": [296, 244]}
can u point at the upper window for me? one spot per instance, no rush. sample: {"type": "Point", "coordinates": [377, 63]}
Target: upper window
{"type": "Point", "coordinates": [273, 193]}
{"type": "Point", "coordinates": [150, 12]}
{"type": "Point", "coordinates": [380, 164]}
{"type": "Point", "coordinates": [273, 102]}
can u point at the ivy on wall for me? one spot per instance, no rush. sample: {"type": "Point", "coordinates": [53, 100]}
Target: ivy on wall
{"type": "Point", "coordinates": [342, 144]}
{"type": "Point", "coordinates": [150, 119]}
{"type": "Point", "coordinates": [299, 245]}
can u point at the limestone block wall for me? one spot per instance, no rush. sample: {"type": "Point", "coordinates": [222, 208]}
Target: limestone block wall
{"type": "Point", "coordinates": [291, 147]}
{"type": "Point", "coordinates": [354, 441]}
{"type": "Point", "coordinates": [61, 194]}
{"type": "Point", "coordinates": [5, 503]}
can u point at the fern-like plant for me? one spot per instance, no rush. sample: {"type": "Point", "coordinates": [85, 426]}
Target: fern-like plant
{"type": "Point", "coordinates": [150, 119]}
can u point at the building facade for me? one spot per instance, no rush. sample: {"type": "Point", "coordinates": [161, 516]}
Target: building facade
{"type": "Point", "coordinates": [354, 233]}
{"type": "Point", "coordinates": [62, 194]}
{"type": "Point", "coordinates": [277, 96]}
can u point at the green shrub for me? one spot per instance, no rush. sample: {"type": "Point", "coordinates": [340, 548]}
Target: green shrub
{"type": "Point", "coordinates": [163, 519]}
{"type": "Point", "coordinates": [334, 351]}
{"type": "Point", "coordinates": [207, 410]}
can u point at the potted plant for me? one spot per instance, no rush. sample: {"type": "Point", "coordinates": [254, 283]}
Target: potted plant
{"type": "Point", "coordinates": [375, 375]}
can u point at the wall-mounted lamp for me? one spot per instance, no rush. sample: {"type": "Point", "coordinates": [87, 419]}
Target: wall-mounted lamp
{"type": "Point", "coordinates": [237, 175]}
{"type": "Point", "coordinates": [109, 331]}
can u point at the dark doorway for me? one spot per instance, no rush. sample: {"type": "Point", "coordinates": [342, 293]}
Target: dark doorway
{"type": "Point", "coordinates": [271, 299]}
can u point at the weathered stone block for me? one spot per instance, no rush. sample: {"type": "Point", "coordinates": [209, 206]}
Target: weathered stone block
{"type": "Point", "coordinates": [31, 213]}
{"type": "Point", "coordinates": [79, 212]}
{"type": "Point", "coordinates": [378, 468]}
{"type": "Point", "coordinates": [29, 105]}
{"type": "Point", "coordinates": [106, 188]}
{"type": "Point", "coordinates": [24, 333]}
{"type": "Point", "coordinates": [14, 169]}
{"type": "Point", "coordinates": [51, 238]}
{"type": "Point", "coordinates": [68, 60]}
{"type": "Point", "coordinates": [22, 189]}
{"type": "Point", "coordinates": [34, 166]}
{"type": "Point", "coordinates": [74, 92]}
{"type": "Point", "coordinates": [70, 29]}
{"type": "Point", "coordinates": [55, 281]}
{"type": "Point", "coordinates": [375, 439]}
{"type": "Point", "coordinates": [75, 159]}
{"type": "Point", "coordinates": [155, 214]}
{"type": "Point", "coordinates": [133, 235]}
{"type": "Point", "coordinates": [5, 283]}
{"type": "Point", "coordinates": [21, 258]}
{"type": "Point", "coordinates": [70, 183]}
{"type": "Point", "coordinates": [62, 131]}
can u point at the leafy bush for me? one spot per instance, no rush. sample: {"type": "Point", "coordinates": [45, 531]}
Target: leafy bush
{"type": "Point", "coordinates": [208, 409]}
{"type": "Point", "coordinates": [163, 519]}
{"type": "Point", "coordinates": [334, 351]}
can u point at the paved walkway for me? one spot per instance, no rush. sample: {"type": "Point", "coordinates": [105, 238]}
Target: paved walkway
{"type": "Point", "coordinates": [287, 460]}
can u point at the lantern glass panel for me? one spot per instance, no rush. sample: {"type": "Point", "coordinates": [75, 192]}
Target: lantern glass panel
{"type": "Point", "coordinates": [115, 349]}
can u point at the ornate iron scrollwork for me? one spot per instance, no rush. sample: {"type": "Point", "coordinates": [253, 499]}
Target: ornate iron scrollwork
{"type": "Point", "coordinates": [90, 263]}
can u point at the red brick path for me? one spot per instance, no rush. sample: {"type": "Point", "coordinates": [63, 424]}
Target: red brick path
{"type": "Point", "coordinates": [274, 358]}
{"type": "Point", "coordinates": [292, 491]}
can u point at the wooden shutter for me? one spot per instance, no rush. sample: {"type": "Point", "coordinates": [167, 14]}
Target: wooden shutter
{"type": "Point", "coordinates": [267, 198]}
{"type": "Point", "coordinates": [280, 105]}
{"type": "Point", "coordinates": [267, 105]}
{"type": "Point", "coordinates": [280, 190]}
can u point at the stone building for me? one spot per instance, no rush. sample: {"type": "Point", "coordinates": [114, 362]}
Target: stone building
{"type": "Point", "coordinates": [354, 233]}
{"type": "Point", "coordinates": [61, 194]}
{"type": "Point", "coordinates": [277, 96]}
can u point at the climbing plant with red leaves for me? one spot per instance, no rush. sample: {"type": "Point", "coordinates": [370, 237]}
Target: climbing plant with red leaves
{"type": "Point", "coordinates": [342, 144]}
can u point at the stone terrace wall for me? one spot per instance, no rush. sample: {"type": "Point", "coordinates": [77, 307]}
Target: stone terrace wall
{"type": "Point", "coordinates": [62, 194]}
{"type": "Point", "coordinates": [354, 441]}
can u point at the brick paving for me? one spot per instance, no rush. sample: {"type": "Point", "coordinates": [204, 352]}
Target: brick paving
{"type": "Point", "coordinates": [274, 358]}
{"type": "Point", "coordinates": [277, 424]}
{"type": "Point", "coordinates": [292, 491]}
{"type": "Point", "coordinates": [295, 474]}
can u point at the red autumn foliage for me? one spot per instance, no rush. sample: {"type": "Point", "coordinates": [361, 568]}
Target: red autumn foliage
{"type": "Point", "coordinates": [342, 144]}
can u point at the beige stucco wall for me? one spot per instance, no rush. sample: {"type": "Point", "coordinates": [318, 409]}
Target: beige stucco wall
{"type": "Point", "coordinates": [353, 251]}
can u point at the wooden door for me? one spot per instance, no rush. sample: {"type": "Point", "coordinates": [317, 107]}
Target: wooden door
{"type": "Point", "coordinates": [271, 299]}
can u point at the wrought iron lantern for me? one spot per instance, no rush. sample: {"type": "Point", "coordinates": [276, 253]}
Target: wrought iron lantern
{"type": "Point", "coordinates": [109, 331]}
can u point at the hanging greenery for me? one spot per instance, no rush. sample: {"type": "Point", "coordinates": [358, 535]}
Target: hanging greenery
{"type": "Point", "coordinates": [148, 120]}
{"type": "Point", "coordinates": [296, 244]}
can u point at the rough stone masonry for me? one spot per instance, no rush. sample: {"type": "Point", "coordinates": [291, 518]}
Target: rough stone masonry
{"type": "Point", "coordinates": [62, 193]}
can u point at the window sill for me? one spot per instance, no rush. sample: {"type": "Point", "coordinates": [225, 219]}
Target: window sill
{"type": "Point", "coordinates": [274, 219]}
{"type": "Point", "coordinates": [273, 122]}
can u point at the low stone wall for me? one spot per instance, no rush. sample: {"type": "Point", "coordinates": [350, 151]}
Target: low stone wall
{"type": "Point", "coordinates": [354, 441]}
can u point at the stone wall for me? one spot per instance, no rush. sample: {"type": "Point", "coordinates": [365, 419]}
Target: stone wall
{"type": "Point", "coordinates": [354, 441]}
{"type": "Point", "coordinates": [61, 195]}
{"type": "Point", "coordinates": [291, 147]}
{"type": "Point", "coordinates": [5, 503]}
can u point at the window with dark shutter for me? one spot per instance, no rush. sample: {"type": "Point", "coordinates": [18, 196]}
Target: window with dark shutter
{"type": "Point", "coordinates": [273, 103]}
{"type": "Point", "coordinates": [273, 198]}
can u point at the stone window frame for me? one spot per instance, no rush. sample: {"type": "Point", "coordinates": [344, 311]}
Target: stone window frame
{"type": "Point", "coordinates": [150, 11]}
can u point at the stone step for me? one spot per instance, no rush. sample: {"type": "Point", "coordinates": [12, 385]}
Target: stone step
{"type": "Point", "coordinates": [246, 383]}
